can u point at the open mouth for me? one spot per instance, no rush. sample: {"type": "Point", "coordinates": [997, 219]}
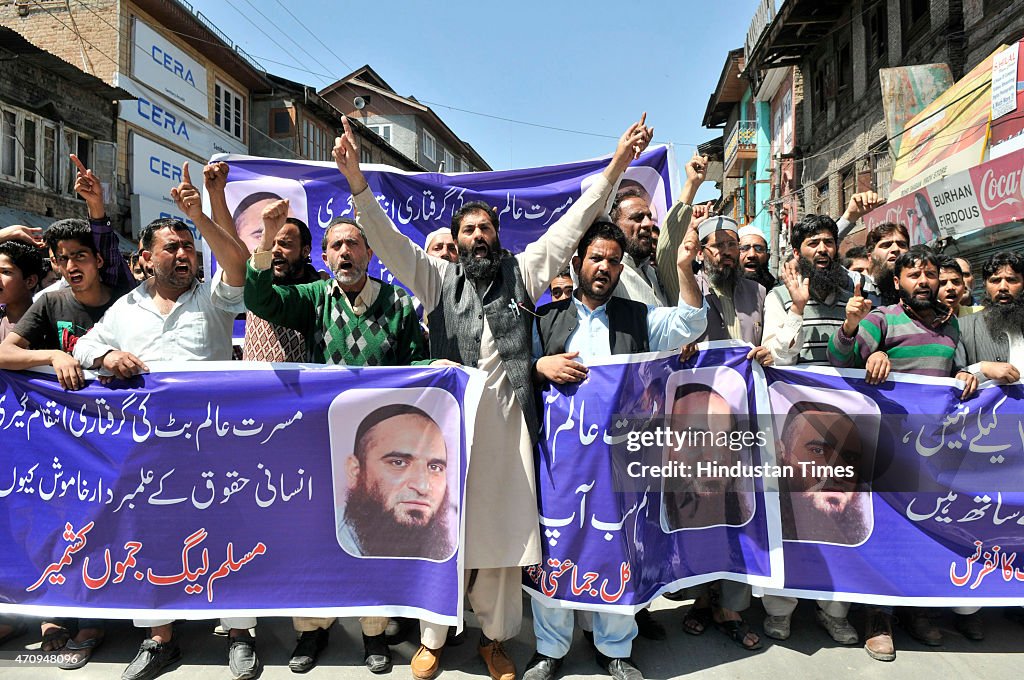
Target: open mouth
{"type": "Point", "coordinates": [1003, 298]}
{"type": "Point", "coordinates": [601, 280]}
{"type": "Point", "coordinates": [279, 262]}
{"type": "Point", "coordinates": [75, 279]}
{"type": "Point", "coordinates": [822, 262]}
{"type": "Point", "coordinates": [923, 294]}
{"type": "Point", "coordinates": [481, 251]}
{"type": "Point", "coordinates": [181, 269]}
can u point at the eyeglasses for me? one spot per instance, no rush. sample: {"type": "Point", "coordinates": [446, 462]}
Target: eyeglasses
{"type": "Point", "coordinates": [760, 250]}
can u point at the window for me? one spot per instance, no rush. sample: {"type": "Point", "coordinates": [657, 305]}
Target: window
{"type": "Point", "coordinates": [915, 18]}
{"type": "Point", "coordinates": [822, 207]}
{"type": "Point", "coordinates": [228, 111]}
{"type": "Point", "coordinates": [849, 187]}
{"type": "Point", "coordinates": [844, 60]}
{"type": "Point", "coordinates": [365, 155]}
{"type": "Point", "coordinates": [9, 144]}
{"type": "Point", "coordinates": [449, 161]}
{"type": "Point", "coordinates": [383, 130]}
{"type": "Point", "coordinates": [50, 167]}
{"type": "Point", "coordinates": [876, 32]}
{"type": "Point", "coordinates": [818, 90]}
{"type": "Point", "coordinates": [314, 143]}
{"type": "Point", "coordinates": [81, 147]}
{"type": "Point", "coordinates": [28, 142]}
{"type": "Point", "coordinates": [280, 122]}
{"type": "Point", "coordinates": [429, 146]}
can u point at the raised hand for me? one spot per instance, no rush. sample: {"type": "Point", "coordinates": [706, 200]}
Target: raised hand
{"type": "Point", "coordinates": [215, 176]}
{"type": "Point", "coordinates": [88, 186]}
{"type": "Point", "coordinates": [797, 285]}
{"type": "Point", "coordinates": [561, 369]}
{"type": "Point", "coordinates": [274, 216]}
{"type": "Point", "coordinates": [856, 309]}
{"type": "Point", "coordinates": [861, 204]}
{"type": "Point", "coordinates": [186, 196]}
{"type": "Point", "coordinates": [696, 169]}
{"type": "Point", "coordinates": [346, 156]}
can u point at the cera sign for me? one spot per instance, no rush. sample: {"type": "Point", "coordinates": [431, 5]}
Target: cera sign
{"type": "Point", "coordinates": [157, 169]}
{"type": "Point", "coordinates": [164, 119]}
{"type": "Point", "coordinates": [165, 67]}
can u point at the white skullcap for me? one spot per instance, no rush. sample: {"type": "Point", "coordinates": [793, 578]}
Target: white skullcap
{"type": "Point", "coordinates": [716, 223]}
{"type": "Point", "coordinates": [434, 234]}
{"type": "Point", "coordinates": [751, 230]}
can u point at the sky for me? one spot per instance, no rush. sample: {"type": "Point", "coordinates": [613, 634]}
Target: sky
{"type": "Point", "coordinates": [587, 67]}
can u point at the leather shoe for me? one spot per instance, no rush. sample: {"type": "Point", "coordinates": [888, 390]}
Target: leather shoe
{"type": "Point", "coordinates": [499, 664]}
{"type": "Point", "coordinates": [152, 658]}
{"type": "Point", "coordinates": [425, 663]}
{"type": "Point", "coordinates": [647, 627]}
{"type": "Point", "coordinates": [620, 669]}
{"type": "Point", "coordinates": [242, 660]}
{"type": "Point", "coordinates": [878, 636]}
{"type": "Point", "coordinates": [921, 628]}
{"type": "Point", "coordinates": [308, 648]}
{"type": "Point", "coordinates": [542, 668]}
{"type": "Point", "coordinates": [970, 626]}
{"type": "Point", "coordinates": [376, 653]}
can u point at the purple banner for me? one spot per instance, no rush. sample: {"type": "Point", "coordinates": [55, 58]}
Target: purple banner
{"type": "Point", "coordinates": [199, 491]}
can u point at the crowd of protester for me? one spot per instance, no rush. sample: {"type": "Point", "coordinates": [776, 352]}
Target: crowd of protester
{"type": "Point", "coordinates": [607, 263]}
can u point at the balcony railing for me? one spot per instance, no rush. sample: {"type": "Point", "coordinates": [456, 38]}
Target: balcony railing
{"type": "Point", "coordinates": [743, 137]}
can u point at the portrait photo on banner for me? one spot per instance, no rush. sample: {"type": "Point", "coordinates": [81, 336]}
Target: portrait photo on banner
{"type": "Point", "coordinates": [703, 406]}
{"type": "Point", "coordinates": [246, 200]}
{"type": "Point", "coordinates": [395, 461]}
{"type": "Point", "coordinates": [645, 179]}
{"type": "Point", "coordinates": [828, 438]}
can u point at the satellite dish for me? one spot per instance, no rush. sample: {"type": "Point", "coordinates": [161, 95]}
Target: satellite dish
{"type": "Point", "coordinates": [359, 103]}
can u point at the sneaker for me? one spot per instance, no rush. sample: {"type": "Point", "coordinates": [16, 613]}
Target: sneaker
{"type": "Point", "coordinates": [542, 667]}
{"type": "Point", "coordinates": [499, 665]}
{"type": "Point", "coordinates": [242, 661]}
{"type": "Point", "coordinates": [308, 648]}
{"type": "Point", "coordinates": [970, 626]}
{"type": "Point", "coordinates": [838, 627]}
{"type": "Point", "coordinates": [376, 653]}
{"type": "Point", "coordinates": [620, 669]}
{"type": "Point", "coordinates": [878, 636]}
{"type": "Point", "coordinates": [777, 627]}
{"type": "Point", "coordinates": [152, 658]}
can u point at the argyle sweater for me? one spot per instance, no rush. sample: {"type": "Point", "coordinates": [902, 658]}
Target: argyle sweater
{"type": "Point", "coordinates": [386, 334]}
{"type": "Point", "coordinates": [912, 346]}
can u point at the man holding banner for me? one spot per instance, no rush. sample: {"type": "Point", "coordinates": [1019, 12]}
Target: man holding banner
{"type": "Point", "coordinates": [571, 332]}
{"type": "Point", "coordinates": [173, 316]}
{"type": "Point", "coordinates": [480, 314]}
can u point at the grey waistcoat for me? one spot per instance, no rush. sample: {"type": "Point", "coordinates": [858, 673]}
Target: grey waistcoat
{"type": "Point", "coordinates": [457, 323]}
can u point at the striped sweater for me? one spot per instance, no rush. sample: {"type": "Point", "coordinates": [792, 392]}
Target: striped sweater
{"type": "Point", "coordinates": [912, 346]}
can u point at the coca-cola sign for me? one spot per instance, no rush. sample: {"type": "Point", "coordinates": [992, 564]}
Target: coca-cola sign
{"type": "Point", "coordinates": [998, 189]}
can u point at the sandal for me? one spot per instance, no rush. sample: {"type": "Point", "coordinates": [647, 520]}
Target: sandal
{"type": "Point", "coordinates": [77, 654]}
{"type": "Point", "coordinates": [737, 631]}
{"type": "Point", "coordinates": [54, 639]}
{"type": "Point", "coordinates": [697, 620]}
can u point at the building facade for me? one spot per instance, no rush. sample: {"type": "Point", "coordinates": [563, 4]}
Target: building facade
{"type": "Point", "coordinates": [411, 127]}
{"type": "Point", "coordinates": [49, 109]}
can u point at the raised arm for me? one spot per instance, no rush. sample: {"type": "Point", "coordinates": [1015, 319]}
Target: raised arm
{"type": "Point", "coordinates": [549, 254]}
{"type": "Point", "coordinates": [675, 224]}
{"type": "Point", "coordinates": [215, 180]}
{"type": "Point", "coordinates": [406, 260]}
{"type": "Point", "coordinates": [224, 243]}
{"type": "Point", "coordinates": [116, 271]}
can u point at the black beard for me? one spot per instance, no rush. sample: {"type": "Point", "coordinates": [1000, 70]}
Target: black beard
{"type": "Point", "coordinates": [761, 275]}
{"type": "Point", "coordinates": [722, 278]}
{"type": "Point", "coordinates": [886, 285]}
{"type": "Point", "coordinates": [638, 250]}
{"type": "Point", "coordinates": [297, 272]}
{"type": "Point", "coordinates": [587, 289]}
{"type": "Point", "coordinates": [821, 283]}
{"type": "Point", "coordinates": [922, 305]}
{"type": "Point", "coordinates": [1004, 317]}
{"type": "Point", "coordinates": [381, 535]}
{"type": "Point", "coordinates": [481, 268]}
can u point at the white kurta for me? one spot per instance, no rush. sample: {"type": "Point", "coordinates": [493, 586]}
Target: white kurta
{"type": "Point", "coordinates": [502, 529]}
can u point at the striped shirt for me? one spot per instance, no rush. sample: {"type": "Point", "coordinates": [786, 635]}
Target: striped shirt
{"type": "Point", "coordinates": [912, 345]}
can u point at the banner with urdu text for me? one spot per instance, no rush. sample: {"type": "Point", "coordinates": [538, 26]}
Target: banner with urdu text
{"type": "Point", "coordinates": [654, 475]}
{"type": "Point", "coordinates": [225, 489]}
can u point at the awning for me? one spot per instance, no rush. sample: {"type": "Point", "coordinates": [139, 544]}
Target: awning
{"type": "Point", "coordinates": [11, 216]}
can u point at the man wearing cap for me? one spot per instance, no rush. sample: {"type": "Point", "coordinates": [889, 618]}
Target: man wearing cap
{"type": "Point", "coordinates": [735, 311]}
{"type": "Point", "coordinates": [441, 245]}
{"type": "Point", "coordinates": [754, 256]}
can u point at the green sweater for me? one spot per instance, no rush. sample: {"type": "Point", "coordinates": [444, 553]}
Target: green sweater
{"type": "Point", "coordinates": [387, 334]}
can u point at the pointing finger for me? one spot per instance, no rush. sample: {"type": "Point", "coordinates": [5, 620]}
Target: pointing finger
{"type": "Point", "coordinates": [184, 173]}
{"type": "Point", "coordinates": [78, 164]}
